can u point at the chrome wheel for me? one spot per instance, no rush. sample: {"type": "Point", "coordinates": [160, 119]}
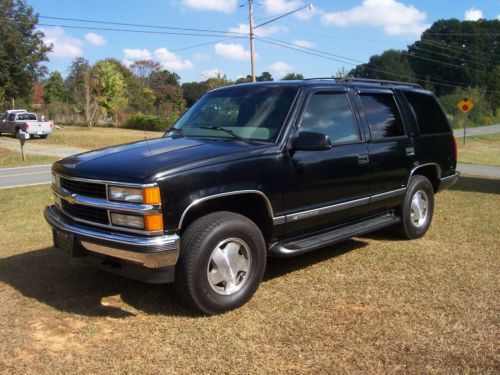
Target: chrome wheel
{"type": "Point", "coordinates": [419, 208]}
{"type": "Point", "coordinates": [229, 266]}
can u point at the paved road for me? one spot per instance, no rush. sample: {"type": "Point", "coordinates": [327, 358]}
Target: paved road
{"type": "Point", "coordinates": [31, 147]}
{"type": "Point", "coordinates": [479, 170]}
{"type": "Point", "coordinates": [489, 129]}
{"type": "Point", "coordinates": [24, 176]}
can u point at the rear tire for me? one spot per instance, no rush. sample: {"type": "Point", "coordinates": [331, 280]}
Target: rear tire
{"type": "Point", "coordinates": [222, 262]}
{"type": "Point", "coordinates": [417, 208]}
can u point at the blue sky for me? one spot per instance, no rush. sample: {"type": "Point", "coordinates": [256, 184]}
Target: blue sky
{"type": "Point", "coordinates": [355, 29]}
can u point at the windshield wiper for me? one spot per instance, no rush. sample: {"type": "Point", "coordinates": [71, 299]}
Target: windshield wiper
{"type": "Point", "coordinates": [228, 131]}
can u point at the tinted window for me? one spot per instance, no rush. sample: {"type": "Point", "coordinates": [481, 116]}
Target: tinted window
{"type": "Point", "coordinates": [12, 116]}
{"type": "Point", "coordinates": [251, 112]}
{"type": "Point", "coordinates": [331, 114]}
{"type": "Point", "coordinates": [429, 116]}
{"type": "Point", "coordinates": [383, 115]}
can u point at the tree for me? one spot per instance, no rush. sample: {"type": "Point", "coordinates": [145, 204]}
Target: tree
{"type": "Point", "coordinates": [21, 48]}
{"type": "Point", "coordinates": [168, 92]}
{"type": "Point", "coordinates": [390, 65]}
{"type": "Point", "coordinates": [111, 86]}
{"type": "Point", "coordinates": [193, 91]}
{"type": "Point", "coordinates": [54, 89]}
{"type": "Point", "coordinates": [292, 76]}
{"type": "Point", "coordinates": [265, 76]}
{"type": "Point", "coordinates": [143, 69]}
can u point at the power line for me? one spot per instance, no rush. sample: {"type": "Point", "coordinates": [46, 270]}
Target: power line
{"type": "Point", "coordinates": [128, 30]}
{"type": "Point", "coordinates": [322, 54]}
{"type": "Point", "coordinates": [450, 56]}
{"type": "Point", "coordinates": [438, 45]}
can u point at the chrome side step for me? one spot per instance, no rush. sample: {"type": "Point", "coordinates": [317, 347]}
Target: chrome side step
{"type": "Point", "coordinates": [293, 247]}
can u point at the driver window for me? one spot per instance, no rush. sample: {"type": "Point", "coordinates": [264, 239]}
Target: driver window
{"type": "Point", "coordinates": [330, 113]}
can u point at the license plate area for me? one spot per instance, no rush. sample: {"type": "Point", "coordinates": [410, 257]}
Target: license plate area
{"type": "Point", "coordinates": [67, 243]}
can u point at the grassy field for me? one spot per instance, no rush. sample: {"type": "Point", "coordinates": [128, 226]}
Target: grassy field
{"type": "Point", "coordinates": [9, 158]}
{"type": "Point", "coordinates": [94, 138]}
{"type": "Point", "coordinates": [373, 304]}
{"type": "Point", "coordinates": [484, 149]}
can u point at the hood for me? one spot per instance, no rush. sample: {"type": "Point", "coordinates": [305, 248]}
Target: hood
{"type": "Point", "coordinates": [143, 161]}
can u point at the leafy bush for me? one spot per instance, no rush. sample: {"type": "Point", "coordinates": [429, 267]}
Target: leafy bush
{"type": "Point", "coordinates": [149, 122]}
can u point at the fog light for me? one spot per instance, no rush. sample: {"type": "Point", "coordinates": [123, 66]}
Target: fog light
{"type": "Point", "coordinates": [130, 221]}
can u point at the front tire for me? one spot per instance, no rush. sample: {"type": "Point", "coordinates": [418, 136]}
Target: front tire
{"type": "Point", "coordinates": [417, 208]}
{"type": "Point", "coordinates": [222, 262]}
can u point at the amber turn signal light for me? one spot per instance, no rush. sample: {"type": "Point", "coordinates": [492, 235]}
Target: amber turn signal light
{"type": "Point", "coordinates": [151, 195]}
{"type": "Point", "coordinates": [153, 222]}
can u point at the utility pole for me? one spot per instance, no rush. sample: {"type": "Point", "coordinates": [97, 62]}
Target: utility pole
{"type": "Point", "coordinates": [252, 54]}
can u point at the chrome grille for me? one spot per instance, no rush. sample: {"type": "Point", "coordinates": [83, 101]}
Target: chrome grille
{"type": "Point", "coordinates": [87, 189]}
{"type": "Point", "coordinates": [87, 213]}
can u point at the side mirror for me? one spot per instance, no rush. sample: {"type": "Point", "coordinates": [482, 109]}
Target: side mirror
{"type": "Point", "coordinates": [311, 141]}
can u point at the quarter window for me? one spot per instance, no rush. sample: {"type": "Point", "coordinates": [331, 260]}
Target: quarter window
{"type": "Point", "coordinates": [429, 116]}
{"type": "Point", "coordinates": [382, 115]}
{"type": "Point", "coordinates": [331, 114]}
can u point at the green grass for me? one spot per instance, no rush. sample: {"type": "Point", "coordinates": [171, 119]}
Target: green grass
{"type": "Point", "coordinates": [373, 304]}
{"type": "Point", "coordinates": [481, 149]}
{"type": "Point", "coordinates": [9, 158]}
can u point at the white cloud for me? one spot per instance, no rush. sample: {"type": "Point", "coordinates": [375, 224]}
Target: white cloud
{"type": "Point", "coordinates": [167, 59]}
{"type": "Point", "coordinates": [498, 17]}
{"type": "Point", "coordinates": [473, 14]}
{"type": "Point", "coordinates": [263, 31]}
{"type": "Point", "coordinates": [277, 7]}
{"type": "Point", "coordinates": [303, 43]}
{"type": "Point", "coordinates": [95, 39]}
{"type": "Point", "coordinates": [281, 6]}
{"type": "Point", "coordinates": [64, 46]}
{"type": "Point", "coordinates": [393, 16]}
{"type": "Point", "coordinates": [279, 69]}
{"type": "Point", "coordinates": [225, 6]}
{"type": "Point", "coordinates": [232, 51]}
{"type": "Point", "coordinates": [212, 73]}
{"type": "Point", "coordinates": [201, 57]}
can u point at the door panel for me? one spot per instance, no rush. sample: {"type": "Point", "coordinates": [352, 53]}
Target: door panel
{"type": "Point", "coordinates": [322, 180]}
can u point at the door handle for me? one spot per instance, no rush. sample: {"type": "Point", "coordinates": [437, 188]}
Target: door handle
{"type": "Point", "coordinates": [363, 159]}
{"type": "Point", "coordinates": [410, 151]}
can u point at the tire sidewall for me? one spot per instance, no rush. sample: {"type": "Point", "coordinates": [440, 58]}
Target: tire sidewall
{"type": "Point", "coordinates": [244, 230]}
{"type": "Point", "coordinates": [417, 183]}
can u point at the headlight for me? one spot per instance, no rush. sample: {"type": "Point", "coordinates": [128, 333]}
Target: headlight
{"type": "Point", "coordinates": [55, 180]}
{"type": "Point", "coordinates": [125, 194]}
{"type": "Point", "coordinates": [130, 221]}
{"type": "Point", "coordinates": [149, 195]}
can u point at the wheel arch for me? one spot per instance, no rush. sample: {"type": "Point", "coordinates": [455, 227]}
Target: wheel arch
{"type": "Point", "coordinates": [253, 204]}
{"type": "Point", "coordinates": [432, 171]}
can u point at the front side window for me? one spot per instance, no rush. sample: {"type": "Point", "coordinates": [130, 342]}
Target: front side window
{"type": "Point", "coordinates": [250, 112]}
{"type": "Point", "coordinates": [12, 116]}
{"type": "Point", "coordinates": [331, 114]}
{"type": "Point", "coordinates": [382, 115]}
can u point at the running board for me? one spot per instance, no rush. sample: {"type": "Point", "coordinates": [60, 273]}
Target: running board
{"type": "Point", "coordinates": [290, 248]}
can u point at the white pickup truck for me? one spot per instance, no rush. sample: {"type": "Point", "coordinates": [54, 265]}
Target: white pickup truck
{"type": "Point", "coordinates": [25, 122]}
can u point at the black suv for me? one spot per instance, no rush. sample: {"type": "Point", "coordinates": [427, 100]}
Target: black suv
{"type": "Point", "coordinates": [256, 170]}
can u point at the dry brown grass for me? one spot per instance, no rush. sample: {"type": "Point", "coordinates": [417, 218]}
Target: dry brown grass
{"type": "Point", "coordinates": [370, 305]}
{"type": "Point", "coordinates": [482, 149]}
{"type": "Point", "coordinates": [9, 158]}
{"type": "Point", "coordinates": [96, 137]}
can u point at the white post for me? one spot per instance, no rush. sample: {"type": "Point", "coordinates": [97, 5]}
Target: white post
{"type": "Point", "coordinates": [252, 56]}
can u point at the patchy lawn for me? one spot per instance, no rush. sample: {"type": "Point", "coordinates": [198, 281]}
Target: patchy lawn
{"type": "Point", "coordinates": [94, 138]}
{"type": "Point", "coordinates": [481, 149]}
{"type": "Point", "coordinates": [373, 304]}
{"type": "Point", "coordinates": [9, 158]}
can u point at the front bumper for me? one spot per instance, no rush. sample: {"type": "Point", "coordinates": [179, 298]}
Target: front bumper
{"type": "Point", "coordinates": [149, 253]}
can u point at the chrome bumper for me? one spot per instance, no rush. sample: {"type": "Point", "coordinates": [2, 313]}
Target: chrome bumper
{"type": "Point", "coordinates": [449, 181]}
{"type": "Point", "coordinates": [149, 252]}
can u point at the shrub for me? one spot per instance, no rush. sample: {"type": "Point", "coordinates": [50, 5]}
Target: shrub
{"type": "Point", "coordinates": [149, 122]}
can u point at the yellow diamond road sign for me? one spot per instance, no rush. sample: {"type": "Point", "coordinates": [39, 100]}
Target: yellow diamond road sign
{"type": "Point", "coordinates": [465, 105]}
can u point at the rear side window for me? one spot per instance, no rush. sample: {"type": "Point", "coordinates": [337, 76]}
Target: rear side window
{"type": "Point", "coordinates": [382, 115]}
{"type": "Point", "coordinates": [330, 113]}
{"type": "Point", "coordinates": [429, 116]}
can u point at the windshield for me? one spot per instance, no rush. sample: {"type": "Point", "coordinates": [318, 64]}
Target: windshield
{"type": "Point", "coordinates": [26, 116]}
{"type": "Point", "coordinates": [249, 112]}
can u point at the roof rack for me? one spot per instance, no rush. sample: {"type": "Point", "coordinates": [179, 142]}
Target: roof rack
{"type": "Point", "coordinates": [367, 80]}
